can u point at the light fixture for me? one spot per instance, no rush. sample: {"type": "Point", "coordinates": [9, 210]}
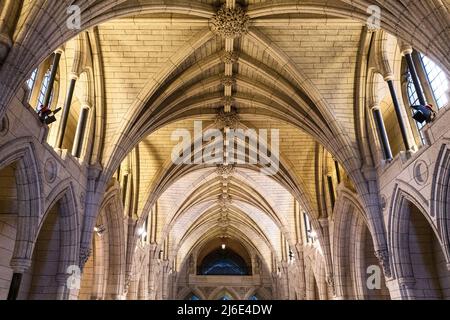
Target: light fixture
{"type": "Point", "coordinates": [141, 231]}
{"type": "Point", "coordinates": [224, 246]}
{"type": "Point", "coordinates": [99, 230]}
{"type": "Point", "coordinates": [423, 113]}
{"type": "Point", "coordinates": [46, 115]}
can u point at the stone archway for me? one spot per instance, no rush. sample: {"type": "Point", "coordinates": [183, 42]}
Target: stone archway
{"type": "Point", "coordinates": [55, 251]}
{"type": "Point", "coordinates": [353, 251]}
{"type": "Point", "coordinates": [417, 257]}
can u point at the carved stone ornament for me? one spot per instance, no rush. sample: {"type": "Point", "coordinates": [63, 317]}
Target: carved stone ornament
{"type": "Point", "coordinates": [225, 170]}
{"type": "Point", "coordinates": [224, 200]}
{"type": "Point", "coordinates": [227, 119]}
{"type": "Point", "coordinates": [229, 57]}
{"type": "Point", "coordinates": [50, 170]}
{"type": "Point", "coordinates": [4, 126]}
{"type": "Point", "coordinates": [227, 80]}
{"type": "Point", "coordinates": [82, 200]}
{"type": "Point", "coordinates": [85, 253]}
{"type": "Point", "coordinates": [230, 23]}
{"type": "Point", "coordinates": [421, 172]}
{"type": "Point", "coordinates": [330, 282]}
{"type": "Point", "coordinates": [383, 259]}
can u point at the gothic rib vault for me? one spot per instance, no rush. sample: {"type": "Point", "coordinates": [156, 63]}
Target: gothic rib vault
{"type": "Point", "coordinates": [144, 73]}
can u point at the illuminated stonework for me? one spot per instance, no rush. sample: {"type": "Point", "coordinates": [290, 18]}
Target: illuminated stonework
{"type": "Point", "coordinates": [230, 23]}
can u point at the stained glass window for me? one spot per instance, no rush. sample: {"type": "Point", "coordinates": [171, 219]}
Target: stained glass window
{"type": "Point", "coordinates": [223, 262]}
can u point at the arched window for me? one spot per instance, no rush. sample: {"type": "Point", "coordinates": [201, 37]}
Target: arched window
{"type": "Point", "coordinates": [226, 297]}
{"type": "Point", "coordinates": [253, 298]}
{"type": "Point", "coordinates": [223, 262]}
{"type": "Point", "coordinates": [413, 100]}
{"type": "Point", "coordinates": [310, 233]}
{"type": "Point", "coordinates": [44, 88]}
{"type": "Point", "coordinates": [192, 297]}
{"type": "Point", "coordinates": [438, 81]}
{"type": "Point", "coordinates": [32, 80]}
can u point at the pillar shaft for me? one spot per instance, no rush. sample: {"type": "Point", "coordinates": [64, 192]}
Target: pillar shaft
{"type": "Point", "coordinates": [66, 112]}
{"type": "Point", "coordinates": [81, 131]}
{"type": "Point", "coordinates": [384, 139]}
{"type": "Point", "coordinates": [51, 82]}
{"type": "Point", "coordinates": [415, 78]}
{"type": "Point", "coordinates": [15, 286]}
{"type": "Point", "coordinates": [398, 113]}
{"type": "Point", "coordinates": [331, 191]}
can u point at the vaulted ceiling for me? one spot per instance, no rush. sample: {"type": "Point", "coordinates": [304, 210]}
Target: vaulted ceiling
{"type": "Point", "coordinates": [289, 65]}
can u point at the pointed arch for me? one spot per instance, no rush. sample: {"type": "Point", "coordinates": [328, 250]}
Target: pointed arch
{"type": "Point", "coordinates": [440, 198]}
{"type": "Point", "coordinates": [29, 194]}
{"type": "Point", "coordinates": [407, 247]}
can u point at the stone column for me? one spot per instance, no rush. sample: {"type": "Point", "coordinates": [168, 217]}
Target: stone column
{"type": "Point", "coordinates": [19, 266]}
{"type": "Point", "coordinates": [301, 269]}
{"type": "Point", "coordinates": [152, 266]}
{"type": "Point", "coordinates": [81, 131]}
{"type": "Point", "coordinates": [403, 130]}
{"type": "Point", "coordinates": [9, 15]}
{"type": "Point", "coordinates": [384, 139]}
{"type": "Point", "coordinates": [64, 292]}
{"type": "Point", "coordinates": [326, 247]}
{"type": "Point", "coordinates": [407, 53]}
{"type": "Point", "coordinates": [66, 110]}
{"type": "Point", "coordinates": [51, 81]}
{"type": "Point", "coordinates": [165, 279]}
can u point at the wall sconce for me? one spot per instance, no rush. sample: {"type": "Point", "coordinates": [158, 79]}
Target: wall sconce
{"type": "Point", "coordinates": [141, 232]}
{"type": "Point", "coordinates": [100, 229]}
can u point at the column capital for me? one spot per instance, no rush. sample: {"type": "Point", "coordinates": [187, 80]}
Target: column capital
{"type": "Point", "coordinates": [323, 222]}
{"type": "Point", "coordinates": [375, 107]}
{"type": "Point", "coordinates": [389, 77]}
{"type": "Point", "coordinates": [59, 51]}
{"type": "Point", "coordinates": [20, 265]}
{"type": "Point", "coordinates": [73, 76]}
{"type": "Point", "coordinates": [86, 105]}
{"type": "Point", "coordinates": [405, 48]}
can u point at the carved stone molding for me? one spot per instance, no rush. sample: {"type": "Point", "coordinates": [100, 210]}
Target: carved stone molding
{"type": "Point", "coordinates": [50, 170]}
{"type": "Point", "coordinates": [227, 119]}
{"type": "Point", "coordinates": [85, 253]}
{"type": "Point", "coordinates": [225, 170]}
{"type": "Point", "coordinates": [383, 258]}
{"type": "Point", "coordinates": [330, 282]}
{"type": "Point", "coordinates": [383, 202]}
{"type": "Point", "coordinates": [229, 57]}
{"type": "Point", "coordinates": [224, 200]}
{"type": "Point", "coordinates": [4, 126]}
{"type": "Point", "coordinates": [82, 200]}
{"type": "Point", "coordinates": [421, 172]}
{"type": "Point", "coordinates": [230, 23]}
{"type": "Point", "coordinates": [227, 80]}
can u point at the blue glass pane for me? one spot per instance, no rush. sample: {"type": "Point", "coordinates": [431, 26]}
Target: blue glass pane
{"type": "Point", "coordinates": [253, 298]}
{"type": "Point", "coordinates": [194, 297]}
{"type": "Point", "coordinates": [223, 262]}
